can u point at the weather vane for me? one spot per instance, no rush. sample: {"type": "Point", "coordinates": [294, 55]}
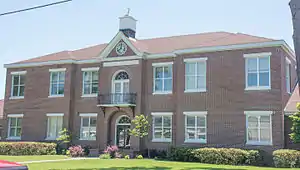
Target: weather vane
{"type": "Point", "coordinates": [128, 11]}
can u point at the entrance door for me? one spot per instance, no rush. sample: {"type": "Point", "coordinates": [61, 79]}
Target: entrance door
{"type": "Point", "coordinates": [122, 132]}
{"type": "Point", "coordinates": [120, 90]}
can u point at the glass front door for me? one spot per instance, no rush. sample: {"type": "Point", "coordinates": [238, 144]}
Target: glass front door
{"type": "Point", "coordinates": [123, 136]}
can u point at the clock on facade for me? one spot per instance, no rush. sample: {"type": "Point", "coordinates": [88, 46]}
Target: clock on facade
{"type": "Point", "coordinates": [121, 48]}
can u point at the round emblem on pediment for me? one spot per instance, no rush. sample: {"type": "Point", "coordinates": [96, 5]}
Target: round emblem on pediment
{"type": "Point", "coordinates": [121, 48]}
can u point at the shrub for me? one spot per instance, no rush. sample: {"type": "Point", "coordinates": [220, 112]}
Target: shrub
{"type": "Point", "coordinates": [139, 157]}
{"type": "Point", "coordinates": [286, 158]}
{"type": "Point", "coordinates": [253, 157]}
{"type": "Point", "coordinates": [27, 148]}
{"type": "Point", "coordinates": [105, 156]}
{"type": "Point", "coordinates": [180, 154]}
{"type": "Point", "coordinates": [159, 154]}
{"type": "Point", "coordinates": [86, 150]}
{"type": "Point", "coordinates": [76, 151]}
{"type": "Point", "coordinates": [111, 150]}
{"type": "Point", "coordinates": [127, 157]}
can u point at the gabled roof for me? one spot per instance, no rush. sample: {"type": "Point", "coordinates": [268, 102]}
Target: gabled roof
{"type": "Point", "coordinates": [290, 107]}
{"type": "Point", "coordinates": [158, 45]}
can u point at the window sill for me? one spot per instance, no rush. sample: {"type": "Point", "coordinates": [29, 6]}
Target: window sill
{"type": "Point", "coordinates": [16, 97]}
{"type": "Point", "coordinates": [13, 138]}
{"type": "Point", "coordinates": [54, 96]}
{"type": "Point", "coordinates": [162, 92]}
{"type": "Point", "coordinates": [52, 139]}
{"type": "Point", "coordinates": [87, 139]}
{"type": "Point", "coordinates": [89, 95]}
{"type": "Point", "coordinates": [195, 141]}
{"type": "Point", "coordinates": [161, 140]}
{"type": "Point", "coordinates": [260, 143]}
{"type": "Point", "coordinates": [194, 90]}
{"type": "Point", "coordinates": [257, 88]}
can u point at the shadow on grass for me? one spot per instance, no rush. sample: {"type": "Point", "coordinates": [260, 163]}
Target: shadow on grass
{"type": "Point", "coordinates": [155, 168]}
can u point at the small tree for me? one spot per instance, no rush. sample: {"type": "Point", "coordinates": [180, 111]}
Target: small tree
{"type": "Point", "coordinates": [295, 135]}
{"type": "Point", "coordinates": [140, 127]}
{"type": "Point", "coordinates": [63, 140]}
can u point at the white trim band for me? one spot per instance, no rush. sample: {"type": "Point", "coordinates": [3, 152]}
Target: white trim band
{"type": "Point", "coordinates": [15, 115]}
{"type": "Point", "coordinates": [162, 64]}
{"type": "Point", "coordinates": [258, 113]}
{"type": "Point", "coordinates": [57, 69]}
{"type": "Point", "coordinates": [120, 63]}
{"type": "Point", "coordinates": [257, 54]}
{"type": "Point", "coordinates": [55, 114]}
{"type": "Point", "coordinates": [18, 72]}
{"type": "Point", "coordinates": [186, 60]}
{"type": "Point", "coordinates": [195, 113]}
{"type": "Point", "coordinates": [162, 113]}
{"type": "Point", "coordinates": [88, 114]}
{"type": "Point", "coordinates": [90, 69]}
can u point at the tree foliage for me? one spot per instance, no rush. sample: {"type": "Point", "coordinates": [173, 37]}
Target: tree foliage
{"type": "Point", "coordinates": [140, 126]}
{"type": "Point", "coordinates": [295, 135]}
{"type": "Point", "coordinates": [64, 136]}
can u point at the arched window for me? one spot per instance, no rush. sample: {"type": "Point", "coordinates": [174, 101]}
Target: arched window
{"type": "Point", "coordinates": [124, 120]}
{"type": "Point", "coordinates": [122, 76]}
{"type": "Point", "coordinates": [122, 138]}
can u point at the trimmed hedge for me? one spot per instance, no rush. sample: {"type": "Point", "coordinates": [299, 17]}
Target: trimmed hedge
{"type": "Point", "coordinates": [27, 148]}
{"type": "Point", "coordinates": [286, 158]}
{"type": "Point", "coordinates": [227, 156]}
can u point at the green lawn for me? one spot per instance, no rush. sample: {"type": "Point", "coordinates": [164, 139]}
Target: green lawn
{"type": "Point", "coordinates": [31, 158]}
{"type": "Point", "coordinates": [134, 164]}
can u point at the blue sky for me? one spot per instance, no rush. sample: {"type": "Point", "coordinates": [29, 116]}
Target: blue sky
{"type": "Point", "coordinates": [83, 23]}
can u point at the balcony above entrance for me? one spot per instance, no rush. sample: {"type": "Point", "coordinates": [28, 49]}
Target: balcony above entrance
{"type": "Point", "coordinates": [117, 100]}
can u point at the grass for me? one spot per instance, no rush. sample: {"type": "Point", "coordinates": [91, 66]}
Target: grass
{"type": "Point", "coordinates": [31, 158]}
{"type": "Point", "coordinates": [134, 164]}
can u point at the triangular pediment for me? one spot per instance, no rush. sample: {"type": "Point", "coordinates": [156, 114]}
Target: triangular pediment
{"type": "Point", "coordinates": [120, 46]}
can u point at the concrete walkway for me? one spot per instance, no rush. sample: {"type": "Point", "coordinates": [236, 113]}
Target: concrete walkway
{"type": "Point", "coordinates": [57, 160]}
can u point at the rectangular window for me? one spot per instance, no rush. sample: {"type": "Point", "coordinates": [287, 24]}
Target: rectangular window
{"type": "Point", "coordinates": [162, 127]}
{"type": "Point", "coordinates": [195, 127]}
{"type": "Point", "coordinates": [88, 126]}
{"type": "Point", "coordinates": [15, 126]}
{"type": "Point", "coordinates": [162, 78]}
{"type": "Point", "coordinates": [258, 75]}
{"type": "Point", "coordinates": [288, 76]}
{"type": "Point", "coordinates": [195, 75]}
{"type": "Point", "coordinates": [54, 126]}
{"type": "Point", "coordinates": [90, 83]}
{"type": "Point", "coordinates": [18, 84]}
{"type": "Point", "coordinates": [57, 82]}
{"type": "Point", "coordinates": [259, 127]}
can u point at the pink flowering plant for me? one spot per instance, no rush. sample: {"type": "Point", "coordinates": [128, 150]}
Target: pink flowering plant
{"type": "Point", "coordinates": [76, 151]}
{"type": "Point", "coordinates": [112, 150]}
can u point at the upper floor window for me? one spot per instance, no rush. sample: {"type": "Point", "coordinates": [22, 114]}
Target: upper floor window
{"type": "Point", "coordinates": [90, 81]}
{"type": "Point", "coordinates": [195, 74]}
{"type": "Point", "coordinates": [162, 127]}
{"type": "Point", "coordinates": [195, 127]}
{"type": "Point", "coordinates": [14, 126]}
{"type": "Point", "coordinates": [57, 82]}
{"type": "Point", "coordinates": [162, 78]}
{"type": "Point", "coordinates": [288, 75]}
{"type": "Point", "coordinates": [259, 127]}
{"type": "Point", "coordinates": [258, 74]}
{"type": "Point", "coordinates": [18, 84]}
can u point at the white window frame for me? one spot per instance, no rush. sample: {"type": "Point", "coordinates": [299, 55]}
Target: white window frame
{"type": "Point", "coordinates": [258, 114]}
{"type": "Point", "coordinates": [161, 114]}
{"type": "Point", "coordinates": [288, 68]}
{"type": "Point", "coordinates": [90, 70]}
{"type": "Point", "coordinates": [257, 56]}
{"type": "Point", "coordinates": [89, 116]}
{"type": "Point", "coordinates": [196, 114]}
{"type": "Point", "coordinates": [49, 116]}
{"type": "Point", "coordinates": [195, 61]}
{"type": "Point", "coordinates": [9, 116]}
{"type": "Point", "coordinates": [165, 64]}
{"type": "Point", "coordinates": [19, 74]}
{"type": "Point", "coordinates": [59, 70]}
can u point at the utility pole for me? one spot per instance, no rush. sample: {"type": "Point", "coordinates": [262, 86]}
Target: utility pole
{"type": "Point", "coordinates": [295, 9]}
